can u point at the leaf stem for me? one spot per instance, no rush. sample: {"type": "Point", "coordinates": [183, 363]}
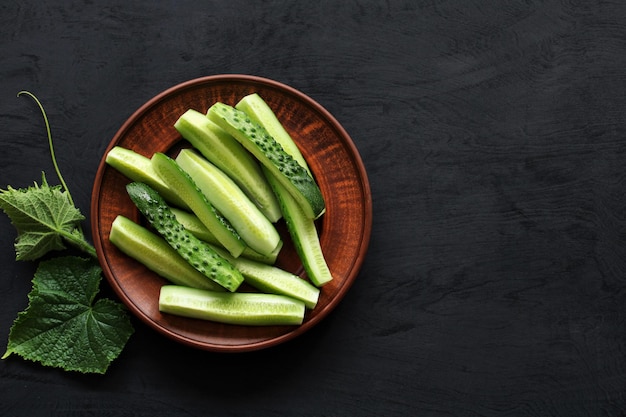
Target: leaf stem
{"type": "Point", "coordinates": [80, 243]}
{"type": "Point", "coordinates": [54, 160]}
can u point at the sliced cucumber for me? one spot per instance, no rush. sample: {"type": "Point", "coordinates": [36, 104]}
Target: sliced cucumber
{"type": "Point", "coordinates": [156, 254]}
{"type": "Point", "coordinates": [301, 228]}
{"type": "Point", "coordinates": [177, 179]}
{"type": "Point", "coordinates": [227, 154]}
{"type": "Point", "coordinates": [198, 253]}
{"type": "Point", "coordinates": [270, 153]}
{"type": "Point", "coordinates": [259, 111]}
{"type": "Point", "coordinates": [192, 223]}
{"type": "Point", "coordinates": [273, 280]}
{"type": "Point", "coordinates": [228, 199]}
{"type": "Point", "coordinates": [139, 168]}
{"type": "Point", "coordinates": [303, 234]}
{"type": "Point", "coordinates": [252, 309]}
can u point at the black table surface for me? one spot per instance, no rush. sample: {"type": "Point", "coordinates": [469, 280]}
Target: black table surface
{"type": "Point", "coordinates": [494, 138]}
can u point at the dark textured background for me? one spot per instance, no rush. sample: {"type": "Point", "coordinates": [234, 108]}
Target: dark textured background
{"type": "Point", "coordinates": [494, 137]}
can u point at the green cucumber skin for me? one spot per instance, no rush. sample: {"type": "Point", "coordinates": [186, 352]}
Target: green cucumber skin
{"type": "Point", "coordinates": [177, 179]}
{"type": "Point", "coordinates": [250, 309]}
{"type": "Point", "coordinates": [301, 228]}
{"type": "Point", "coordinates": [271, 155]}
{"type": "Point", "coordinates": [156, 254]}
{"type": "Point", "coordinates": [231, 157]}
{"type": "Point", "coordinates": [137, 167]}
{"type": "Point", "coordinates": [259, 111]}
{"type": "Point", "coordinates": [270, 279]}
{"type": "Point", "coordinates": [225, 195]}
{"type": "Point", "coordinates": [199, 254]}
{"type": "Point", "coordinates": [192, 223]}
{"type": "Point", "coordinates": [273, 280]}
{"type": "Point", "coordinates": [303, 234]}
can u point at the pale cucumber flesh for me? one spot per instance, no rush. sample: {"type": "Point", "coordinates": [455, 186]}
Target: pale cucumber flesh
{"type": "Point", "coordinates": [259, 111]}
{"type": "Point", "coordinates": [156, 254]}
{"type": "Point", "coordinates": [273, 280]}
{"type": "Point", "coordinates": [199, 254]}
{"type": "Point", "coordinates": [225, 195]}
{"type": "Point", "coordinates": [177, 179]}
{"type": "Point", "coordinates": [251, 309]}
{"type": "Point", "coordinates": [301, 228]}
{"type": "Point", "coordinates": [231, 157]}
{"type": "Point", "coordinates": [303, 234]}
{"type": "Point", "coordinates": [271, 155]}
{"type": "Point", "coordinates": [192, 223]}
{"type": "Point", "coordinates": [138, 168]}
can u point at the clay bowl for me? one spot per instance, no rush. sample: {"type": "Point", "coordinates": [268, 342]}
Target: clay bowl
{"type": "Point", "coordinates": [336, 165]}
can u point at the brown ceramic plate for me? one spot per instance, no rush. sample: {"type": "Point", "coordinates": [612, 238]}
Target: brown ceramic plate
{"type": "Point", "coordinates": [334, 160]}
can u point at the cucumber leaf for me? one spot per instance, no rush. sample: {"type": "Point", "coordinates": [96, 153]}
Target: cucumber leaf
{"type": "Point", "coordinates": [44, 217]}
{"type": "Point", "coordinates": [63, 325]}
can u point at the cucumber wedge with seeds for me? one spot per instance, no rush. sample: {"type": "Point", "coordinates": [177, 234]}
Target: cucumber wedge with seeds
{"type": "Point", "coordinates": [273, 280]}
{"type": "Point", "coordinates": [227, 198]}
{"type": "Point", "coordinates": [231, 157]}
{"type": "Point", "coordinates": [198, 253]}
{"type": "Point", "coordinates": [177, 179]}
{"type": "Point", "coordinates": [271, 155]}
{"type": "Point", "coordinates": [259, 111]}
{"type": "Point", "coordinates": [301, 228]}
{"type": "Point", "coordinates": [251, 309]}
{"type": "Point", "coordinates": [303, 234]}
{"type": "Point", "coordinates": [192, 223]}
{"type": "Point", "coordinates": [138, 168]}
{"type": "Point", "coordinates": [156, 254]}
